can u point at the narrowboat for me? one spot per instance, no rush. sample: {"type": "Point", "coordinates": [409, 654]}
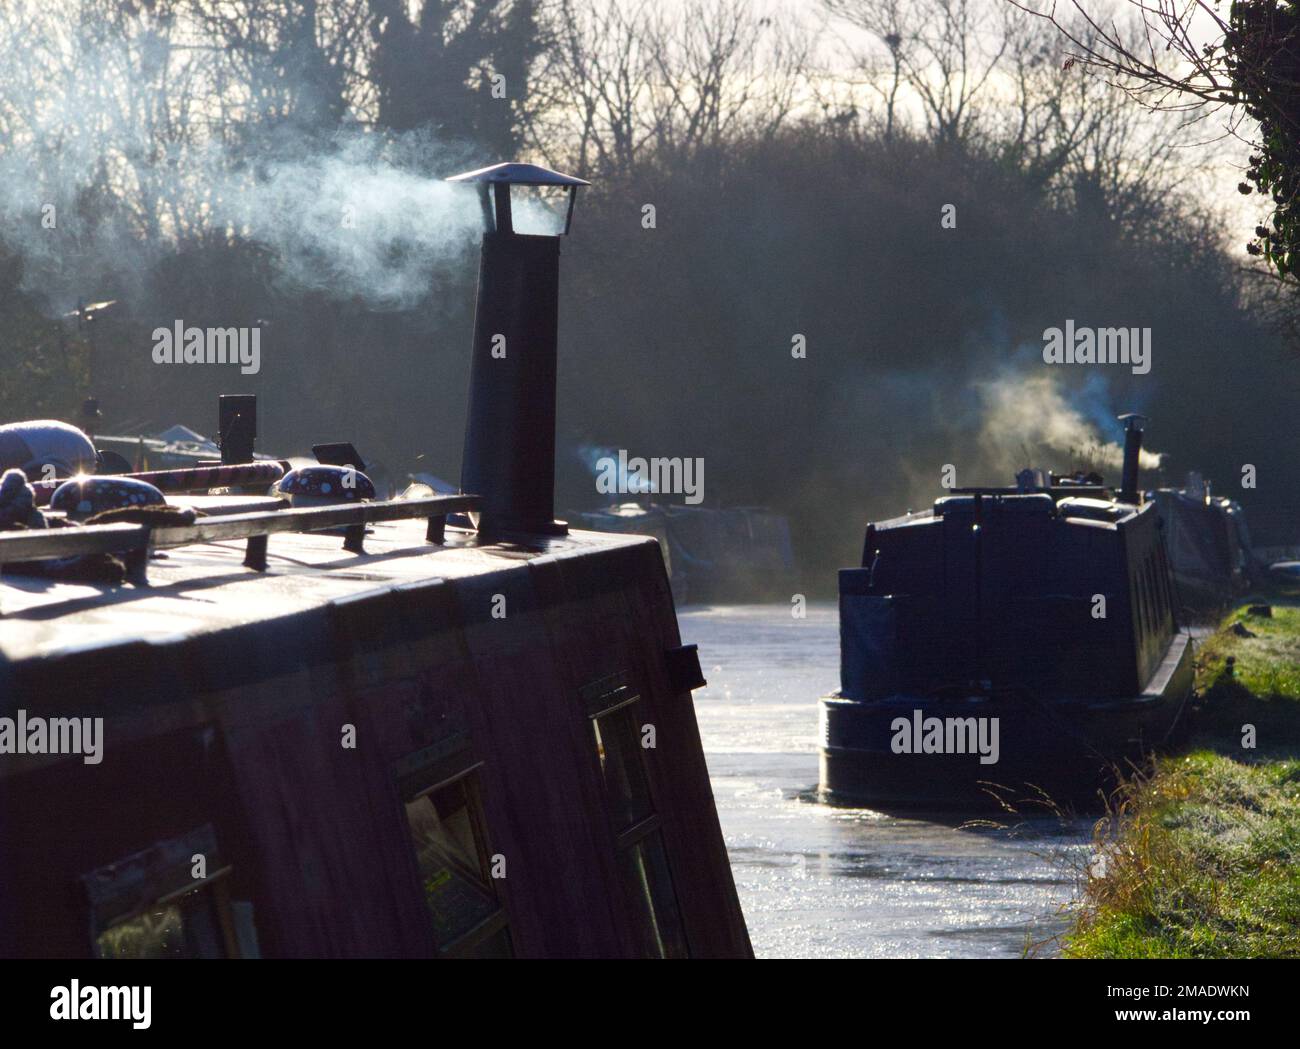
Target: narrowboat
{"type": "Point", "coordinates": [1008, 643]}
{"type": "Point", "coordinates": [1209, 545]}
{"type": "Point", "coordinates": [316, 723]}
{"type": "Point", "coordinates": [713, 554]}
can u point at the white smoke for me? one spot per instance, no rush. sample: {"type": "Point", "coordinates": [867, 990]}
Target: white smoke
{"type": "Point", "coordinates": [112, 156]}
{"type": "Point", "coordinates": [1025, 417]}
{"type": "Point", "coordinates": [369, 218]}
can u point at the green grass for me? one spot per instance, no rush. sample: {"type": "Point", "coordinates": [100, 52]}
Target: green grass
{"type": "Point", "coordinates": [1265, 677]}
{"type": "Point", "coordinates": [1199, 856]}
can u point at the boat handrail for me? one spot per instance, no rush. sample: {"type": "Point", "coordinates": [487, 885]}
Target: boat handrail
{"type": "Point", "coordinates": [135, 541]}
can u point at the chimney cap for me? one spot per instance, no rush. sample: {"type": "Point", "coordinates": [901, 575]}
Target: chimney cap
{"type": "Point", "coordinates": [519, 175]}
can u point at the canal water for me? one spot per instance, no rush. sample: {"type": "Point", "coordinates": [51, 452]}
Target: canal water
{"type": "Point", "coordinates": [823, 882]}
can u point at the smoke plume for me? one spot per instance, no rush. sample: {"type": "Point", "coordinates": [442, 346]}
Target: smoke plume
{"type": "Point", "coordinates": [1030, 415]}
{"type": "Point", "coordinates": [98, 189]}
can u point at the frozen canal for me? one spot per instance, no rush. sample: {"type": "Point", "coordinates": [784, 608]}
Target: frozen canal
{"type": "Point", "coordinates": [822, 882]}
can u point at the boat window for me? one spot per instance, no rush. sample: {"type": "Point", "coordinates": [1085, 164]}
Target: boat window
{"type": "Point", "coordinates": [170, 901]}
{"type": "Point", "coordinates": [658, 922]}
{"type": "Point", "coordinates": [618, 746]}
{"type": "Point", "coordinates": [1156, 595]}
{"type": "Point", "coordinates": [452, 854]}
{"type": "Point", "coordinates": [616, 733]}
{"type": "Point", "coordinates": [188, 927]}
{"type": "Point", "coordinates": [1144, 602]}
{"type": "Point", "coordinates": [1166, 582]}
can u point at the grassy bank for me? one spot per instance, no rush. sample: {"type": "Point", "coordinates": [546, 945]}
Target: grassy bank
{"type": "Point", "coordinates": [1200, 857]}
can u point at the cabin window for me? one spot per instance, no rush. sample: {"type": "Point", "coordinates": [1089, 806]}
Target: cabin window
{"type": "Point", "coordinates": [1153, 586]}
{"type": "Point", "coordinates": [1149, 594]}
{"type": "Point", "coordinates": [1166, 582]}
{"type": "Point", "coordinates": [1144, 603]}
{"type": "Point", "coordinates": [616, 734]}
{"type": "Point", "coordinates": [186, 927]}
{"type": "Point", "coordinates": [618, 746]}
{"type": "Point", "coordinates": [170, 901]}
{"type": "Point", "coordinates": [444, 815]}
{"type": "Point", "coordinates": [1139, 610]}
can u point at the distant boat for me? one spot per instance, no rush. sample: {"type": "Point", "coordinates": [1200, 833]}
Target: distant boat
{"type": "Point", "coordinates": [711, 554]}
{"type": "Point", "coordinates": [1209, 546]}
{"type": "Point", "coordinates": [1007, 641]}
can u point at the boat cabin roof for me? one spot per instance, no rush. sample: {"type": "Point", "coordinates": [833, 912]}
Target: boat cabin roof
{"type": "Point", "coordinates": [1004, 503]}
{"type": "Point", "coordinates": [205, 587]}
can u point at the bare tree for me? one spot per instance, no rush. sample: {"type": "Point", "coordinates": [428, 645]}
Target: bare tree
{"type": "Point", "coordinates": [288, 61]}
{"type": "Point", "coordinates": [941, 53]}
{"type": "Point", "coordinates": [619, 79]}
{"type": "Point", "coordinates": [1161, 65]}
{"type": "Point", "coordinates": [720, 70]}
{"type": "Point", "coordinates": [591, 86]}
{"type": "Point", "coordinates": [1189, 58]}
{"type": "Point", "coordinates": [99, 105]}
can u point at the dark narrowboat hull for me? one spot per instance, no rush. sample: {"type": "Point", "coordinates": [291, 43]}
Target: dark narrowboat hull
{"type": "Point", "coordinates": [1050, 750]}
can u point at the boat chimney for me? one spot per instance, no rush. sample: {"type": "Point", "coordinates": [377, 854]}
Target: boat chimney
{"type": "Point", "coordinates": [509, 457]}
{"type": "Point", "coordinates": [1128, 489]}
{"type": "Point", "coordinates": [237, 427]}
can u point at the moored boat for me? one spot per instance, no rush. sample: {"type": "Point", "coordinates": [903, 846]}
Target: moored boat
{"type": "Point", "coordinates": [712, 554]}
{"type": "Point", "coordinates": [1008, 642]}
{"type": "Point", "coordinates": [1209, 546]}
